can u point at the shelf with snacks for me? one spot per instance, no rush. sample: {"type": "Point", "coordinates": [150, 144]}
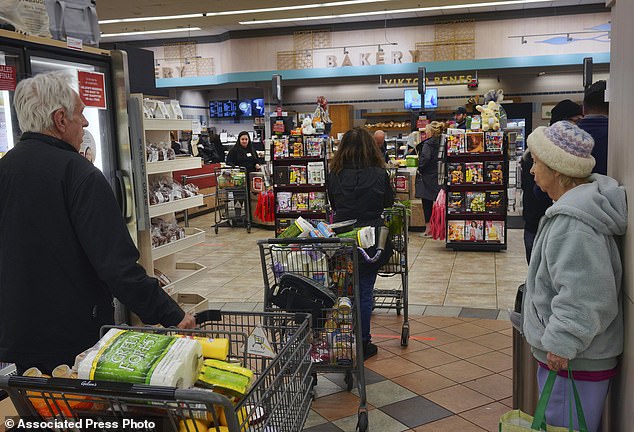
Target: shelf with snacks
{"type": "Point", "coordinates": [178, 164]}
{"type": "Point", "coordinates": [192, 236]}
{"type": "Point", "coordinates": [153, 128]}
{"type": "Point", "coordinates": [476, 166]}
{"type": "Point", "coordinates": [175, 206]}
{"type": "Point", "coordinates": [397, 121]}
{"type": "Point", "coordinates": [299, 178]}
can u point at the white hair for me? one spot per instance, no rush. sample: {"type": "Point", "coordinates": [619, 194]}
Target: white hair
{"type": "Point", "coordinates": [37, 98]}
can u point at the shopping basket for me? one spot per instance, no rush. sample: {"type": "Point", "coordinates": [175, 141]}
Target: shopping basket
{"type": "Point", "coordinates": [278, 400]}
{"type": "Point", "coordinates": [331, 264]}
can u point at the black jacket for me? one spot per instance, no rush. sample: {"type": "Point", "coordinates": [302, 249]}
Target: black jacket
{"type": "Point", "coordinates": [243, 157]}
{"type": "Point", "coordinates": [427, 174]}
{"type": "Point", "coordinates": [360, 194]}
{"type": "Point", "coordinates": [535, 202]}
{"type": "Point", "coordinates": [65, 252]}
{"type": "Point", "coordinates": [597, 126]}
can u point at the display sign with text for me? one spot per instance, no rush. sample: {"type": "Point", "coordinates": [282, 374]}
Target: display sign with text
{"type": "Point", "coordinates": [7, 78]}
{"type": "Point", "coordinates": [92, 89]}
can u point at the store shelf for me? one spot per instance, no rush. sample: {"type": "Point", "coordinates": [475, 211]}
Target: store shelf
{"type": "Point", "coordinates": [388, 114]}
{"type": "Point", "coordinates": [174, 206]}
{"type": "Point", "coordinates": [304, 214]}
{"type": "Point", "coordinates": [405, 128]}
{"type": "Point", "coordinates": [196, 272]}
{"type": "Point", "coordinates": [178, 164]}
{"type": "Point", "coordinates": [290, 160]}
{"type": "Point", "coordinates": [476, 246]}
{"type": "Point", "coordinates": [166, 125]}
{"type": "Point", "coordinates": [301, 188]}
{"type": "Point", "coordinates": [193, 236]}
{"type": "Point", "coordinates": [191, 303]}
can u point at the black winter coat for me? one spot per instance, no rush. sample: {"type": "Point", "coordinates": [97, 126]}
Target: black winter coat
{"type": "Point", "coordinates": [65, 252]}
{"type": "Point", "coordinates": [427, 186]}
{"type": "Point", "coordinates": [360, 194]}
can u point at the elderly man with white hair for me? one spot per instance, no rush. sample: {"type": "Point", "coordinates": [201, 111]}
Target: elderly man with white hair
{"type": "Point", "coordinates": [65, 251]}
{"type": "Point", "coordinates": [379, 138]}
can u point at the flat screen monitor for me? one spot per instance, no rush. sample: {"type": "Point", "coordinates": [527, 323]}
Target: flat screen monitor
{"type": "Point", "coordinates": [257, 107]}
{"type": "Point", "coordinates": [226, 108]}
{"type": "Point", "coordinates": [244, 108]}
{"type": "Point", "coordinates": [412, 100]}
{"type": "Point", "coordinates": [213, 109]}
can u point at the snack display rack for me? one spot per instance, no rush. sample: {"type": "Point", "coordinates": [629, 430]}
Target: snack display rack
{"type": "Point", "coordinates": [279, 398]}
{"type": "Point", "coordinates": [325, 284]}
{"type": "Point", "coordinates": [299, 178]}
{"type": "Point", "coordinates": [232, 198]}
{"type": "Point", "coordinates": [396, 298]}
{"type": "Point", "coordinates": [158, 257]}
{"type": "Point", "coordinates": [476, 165]}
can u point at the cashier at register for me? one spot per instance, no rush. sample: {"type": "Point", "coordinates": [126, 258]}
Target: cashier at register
{"type": "Point", "coordinates": [65, 251]}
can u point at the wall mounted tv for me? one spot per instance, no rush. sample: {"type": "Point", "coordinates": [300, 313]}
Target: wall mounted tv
{"type": "Point", "coordinates": [412, 100]}
{"type": "Point", "coordinates": [219, 109]}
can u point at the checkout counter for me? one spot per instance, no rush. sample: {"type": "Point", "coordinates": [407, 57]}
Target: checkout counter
{"type": "Point", "coordinates": [405, 186]}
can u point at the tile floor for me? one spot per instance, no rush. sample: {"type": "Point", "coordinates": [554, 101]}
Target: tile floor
{"type": "Point", "coordinates": [456, 372]}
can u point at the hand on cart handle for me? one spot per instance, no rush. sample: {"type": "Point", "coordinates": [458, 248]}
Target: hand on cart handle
{"type": "Point", "coordinates": [188, 322]}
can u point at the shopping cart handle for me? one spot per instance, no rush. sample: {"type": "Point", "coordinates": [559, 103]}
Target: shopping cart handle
{"type": "Point", "coordinates": [89, 386]}
{"type": "Point", "coordinates": [210, 315]}
{"type": "Point", "coordinates": [305, 240]}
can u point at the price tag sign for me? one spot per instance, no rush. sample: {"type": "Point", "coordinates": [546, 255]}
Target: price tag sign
{"type": "Point", "coordinates": [7, 78]}
{"type": "Point", "coordinates": [92, 89]}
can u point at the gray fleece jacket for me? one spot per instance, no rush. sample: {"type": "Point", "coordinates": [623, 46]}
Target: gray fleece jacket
{"type": "Point", "coordinates": [572, 304]}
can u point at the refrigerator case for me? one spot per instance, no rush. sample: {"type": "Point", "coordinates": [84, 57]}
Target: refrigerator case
{"type": "Point", "coordinates": [106, 139]}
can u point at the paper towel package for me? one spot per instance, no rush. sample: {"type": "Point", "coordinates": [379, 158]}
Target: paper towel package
{"type": "Point", "coordinates": [142, 358]}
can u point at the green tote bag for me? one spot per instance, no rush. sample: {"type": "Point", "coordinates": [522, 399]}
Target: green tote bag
{"type": "Point", "coordinates": [519, 421]}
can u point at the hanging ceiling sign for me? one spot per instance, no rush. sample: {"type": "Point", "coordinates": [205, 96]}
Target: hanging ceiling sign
{"type": "Point", "coordinates": [7, 78]}
{"type": "Point", "coordinates": [92, 89]}
{"type": "Point", "coordinates": [437, 80]}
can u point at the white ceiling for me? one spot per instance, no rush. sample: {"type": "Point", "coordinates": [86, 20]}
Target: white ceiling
{"type": "Point", "coordinates": [214, 25]}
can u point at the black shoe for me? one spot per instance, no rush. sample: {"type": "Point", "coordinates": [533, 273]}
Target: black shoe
{"type": "Point", "coordinates": [369, 350]}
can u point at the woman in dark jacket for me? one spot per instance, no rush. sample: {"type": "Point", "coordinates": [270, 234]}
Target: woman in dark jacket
{"type": "Point", "coordinates": [243, 154]}
{"type": "Point", "coordinates": [359, 188]}
{"type": "Point", "coordinates": [427, 186]}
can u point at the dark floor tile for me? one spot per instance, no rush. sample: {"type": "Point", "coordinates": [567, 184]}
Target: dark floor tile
{"type": "Point", "coordinates": [326, 427]}
{"type": "Point", "coordinates": [479, 313]}
{"type": "Point", "coordinates": [416, 411]}
{"type": "Point", "coordinates": [371, 377]}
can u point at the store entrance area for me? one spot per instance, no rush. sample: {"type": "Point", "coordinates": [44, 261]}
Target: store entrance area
{"type": "Point", "coordinates": [456, 373]}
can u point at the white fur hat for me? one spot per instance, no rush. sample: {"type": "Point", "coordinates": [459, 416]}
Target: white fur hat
{"type": "Point", "coordinates": [563, 147]}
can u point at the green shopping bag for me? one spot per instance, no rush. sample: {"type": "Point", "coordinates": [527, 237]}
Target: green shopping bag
{"type": "Point", "coordinates": [519, 421]}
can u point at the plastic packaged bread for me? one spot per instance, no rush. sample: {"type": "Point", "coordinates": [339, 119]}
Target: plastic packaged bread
{"type": "Point", "coordinates": [225, 377]}
{"type": "Point", "coordinates": [142, 358]}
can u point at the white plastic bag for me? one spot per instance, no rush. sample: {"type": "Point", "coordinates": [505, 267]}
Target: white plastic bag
{"type": "Point", "coordinates": [27, 16]}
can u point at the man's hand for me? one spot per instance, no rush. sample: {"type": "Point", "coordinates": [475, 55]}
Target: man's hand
{"type": "Point", "coordinates": [556, 363]}
{"type": "Point", "coordinates": [188, 322]}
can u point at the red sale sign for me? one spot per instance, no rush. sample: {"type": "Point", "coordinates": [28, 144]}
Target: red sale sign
{"type": "Point", "coordinates": [92, 89]}
{"type": "Point", "coordinates": [7, 78]}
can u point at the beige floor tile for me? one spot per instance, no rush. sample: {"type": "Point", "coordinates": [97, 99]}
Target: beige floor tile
{"type": "Point", "coordinates": [497, 387]}
{"type": "Point", "coordinates": [495, 341]}
{"type": "Point", "coordinates": [430, 357]}
{"type": "Point", "coordinates": [464, 349]}
{"type": "Point", "coordinates": [487, 417]}
{"type": "Point", "coordinates": [453, 423]}
{"type": "Point", "coordinates": [495, 361]}
{"type": "Point", "coordinates": [461, 371]}
{"type": "Point", "coordinates": [473, 300]}
{"type": "Point", "coordinates": [497, 325]}
{"type": "Point", "coordinates": [468, 400]}
{"type": "Point", "coordinates": [424, 382]}
{"type": "Point", "coordinates": [464, 286]}
{"type": "Point", "coordinates": [467, 330]}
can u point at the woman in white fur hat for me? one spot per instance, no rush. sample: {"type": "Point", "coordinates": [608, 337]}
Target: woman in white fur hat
{"type": "Point", "coordinates": [572, 314]}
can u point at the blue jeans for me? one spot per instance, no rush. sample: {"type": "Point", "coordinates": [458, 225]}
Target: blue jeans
{"type": "Point", "coordinates": [366, 291]}
{"type": "Point", "coordinates": [592, 395]}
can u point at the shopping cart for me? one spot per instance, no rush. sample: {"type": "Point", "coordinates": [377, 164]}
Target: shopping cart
{"type": "Point", "coordinates": [396, 298]}
{"type": "Point", "coordinates": [232, 198]}
{"type": "Point", "coordinates": [331, 265]}
{"type": "Point", "coordinates": [279, 399]}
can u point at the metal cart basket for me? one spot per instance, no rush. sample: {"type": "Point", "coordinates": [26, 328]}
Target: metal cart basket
{"type": "Point", "coordinates": [279, 399]}
{"type": "Point", "coordinates": [232, 197]}
{"type": "Point", "coordinates": [331, 264]}
{"type": "Point", "coordinates": [396, 298]}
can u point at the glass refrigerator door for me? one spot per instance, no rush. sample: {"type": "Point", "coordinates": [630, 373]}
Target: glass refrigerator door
{"type": "Point", "coordinates": [8, 121]}
{"type": "Point", "coordinates": [98, 144]}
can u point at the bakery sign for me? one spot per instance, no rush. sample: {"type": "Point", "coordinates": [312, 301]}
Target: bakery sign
{"type": "Point", "coordinates": [437, 80]}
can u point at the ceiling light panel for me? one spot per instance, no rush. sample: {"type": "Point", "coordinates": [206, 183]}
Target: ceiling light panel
{"type": "Point", "coordinates": [145, 32]}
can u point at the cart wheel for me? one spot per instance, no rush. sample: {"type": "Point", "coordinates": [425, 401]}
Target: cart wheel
{"type": "Point", "coordinates": [398, 307]}
{"type": "Point", "coordinates": [314, 376]}
{"type": "Point", "coordinates": [216, 229]}
{"type": "Point", "coordinates": [249, 229]}
{"type": "Point", "coordinates": [362, 425]}
{"type": "Point", "coordinates": [405, 335]}
{"type": "Point", "coordinates": [348, 380]}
